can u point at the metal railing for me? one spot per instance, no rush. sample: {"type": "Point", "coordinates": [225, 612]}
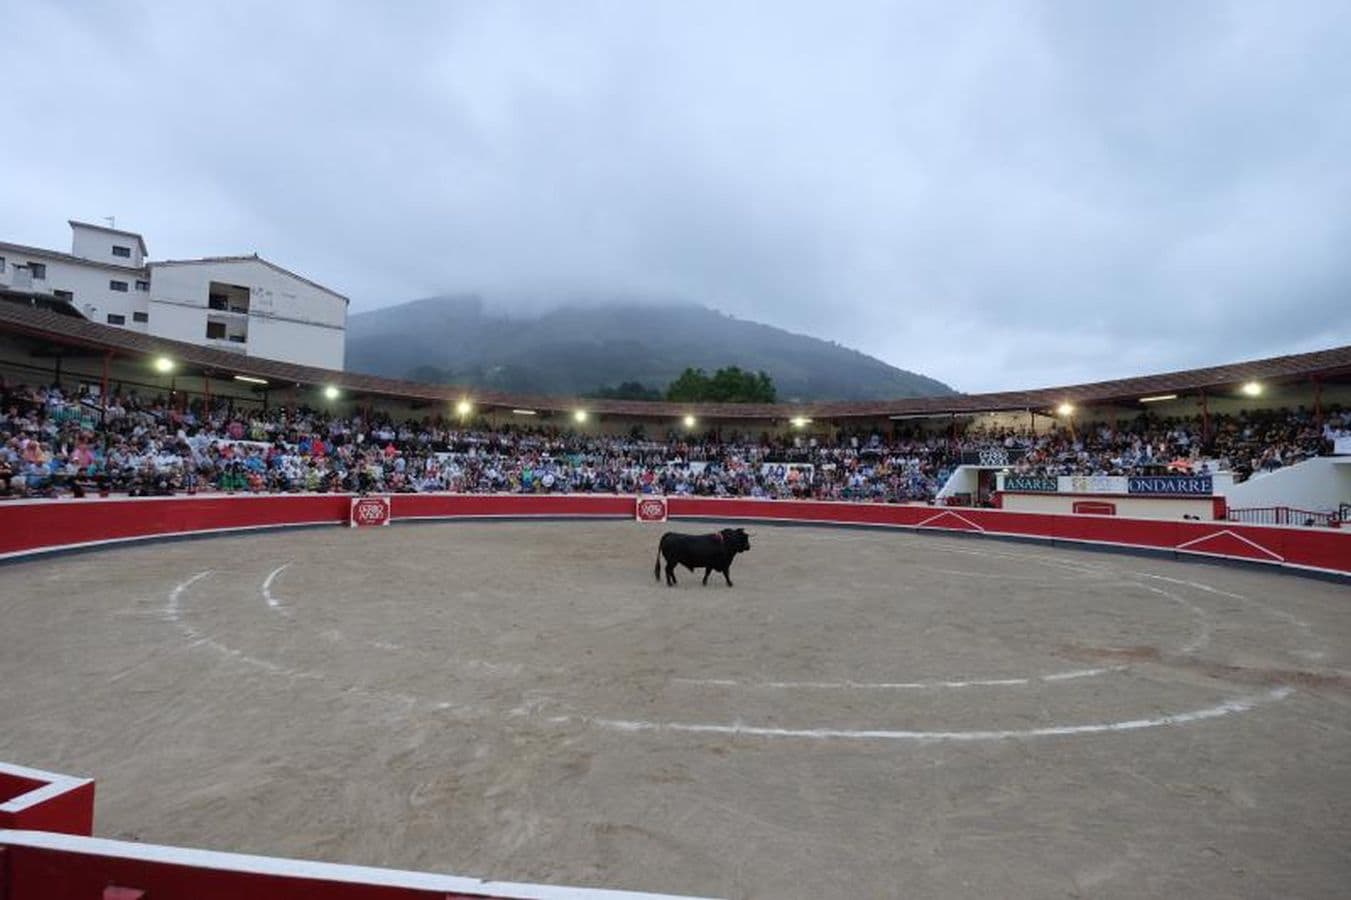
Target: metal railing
{"type": "Point", "coordinates": [1289, 515]}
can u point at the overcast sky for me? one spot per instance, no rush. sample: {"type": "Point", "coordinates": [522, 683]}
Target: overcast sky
{"type": "Point", "coordinates": [999, 195]}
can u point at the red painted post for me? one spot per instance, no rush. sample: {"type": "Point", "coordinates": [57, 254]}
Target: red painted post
{"type": "Point", "coordinates": [103, 388]}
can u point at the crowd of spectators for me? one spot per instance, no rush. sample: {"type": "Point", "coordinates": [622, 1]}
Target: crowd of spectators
{"type": "Point", "coordinates": [56, 443]}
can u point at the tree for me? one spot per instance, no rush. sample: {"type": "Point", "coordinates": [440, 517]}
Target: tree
{"type": "Point", "coordinates": [691, 387]}
{"type": "Point", "coordinates": [628, 390]}
{"type": "Point", "coordinates": [728, 385]}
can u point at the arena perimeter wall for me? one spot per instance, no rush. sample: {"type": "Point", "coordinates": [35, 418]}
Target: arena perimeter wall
{"type": "Point", "coordinates": [31, 527]}
{"type": "Point", "coordinates": [48, 855]}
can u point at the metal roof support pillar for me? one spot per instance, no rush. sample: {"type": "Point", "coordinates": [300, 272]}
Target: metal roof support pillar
{"type": "Point", "coordinates": [1205, 421]}
{"type": "Point", "coordinates": [1317, 401]}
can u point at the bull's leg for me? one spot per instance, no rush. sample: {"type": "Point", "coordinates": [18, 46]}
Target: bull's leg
{"type": "Point", "coordinates": [707, 571]}
{"type": "Point", "coordinates": [670, 574]}
{"type": "Point", "coordinates": [727, 573]}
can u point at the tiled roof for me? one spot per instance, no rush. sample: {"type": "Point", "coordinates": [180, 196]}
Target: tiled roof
{"type": "Point", "coordinates": [50, 326]}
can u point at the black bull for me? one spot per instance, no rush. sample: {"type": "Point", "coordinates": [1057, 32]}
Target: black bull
{"type": "Point", "coordinates": [710, 552]}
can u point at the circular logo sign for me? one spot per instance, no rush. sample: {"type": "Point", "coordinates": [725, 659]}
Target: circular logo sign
{"type": "Point", "coordinates": [652, 509]}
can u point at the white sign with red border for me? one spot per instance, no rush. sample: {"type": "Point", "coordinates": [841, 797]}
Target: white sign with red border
{"type": "Point", "coordinates": [650, 509]}
{"type": "Point", "coordinates": [370, 511]}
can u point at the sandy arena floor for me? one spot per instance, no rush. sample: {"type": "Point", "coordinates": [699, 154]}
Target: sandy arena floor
{"type": "Point", "coordinates": [866, 714]}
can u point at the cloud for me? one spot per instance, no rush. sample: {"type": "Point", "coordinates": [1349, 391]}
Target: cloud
{"type": "Point", "coordinates": [997, 196]}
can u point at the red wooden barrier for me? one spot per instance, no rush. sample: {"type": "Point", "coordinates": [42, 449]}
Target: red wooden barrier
{"type": "Point", "coordinates": [41, 866]}
{"type": "Point", "coordinates": [45, 801]}
{"type": "Point", "coordinates": [28, 527]}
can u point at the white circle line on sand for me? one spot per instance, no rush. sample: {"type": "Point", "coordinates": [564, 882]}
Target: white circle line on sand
{"type": "Point", "coordinates": [1281, 614]}
{"type": "Point", "coordinates": [272, 601]}
{"type": "Point", "coordinates": [1229, 707]}
{"type": "Point", "coordinates": [1204, 628]}
{"type": "Point", "coordinates": [898, 685]}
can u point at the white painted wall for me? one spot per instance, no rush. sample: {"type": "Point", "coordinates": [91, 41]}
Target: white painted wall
{"type": "Point", "coordinates": [1132, 507]}
{"type": "Point", "coordinates": [96, 244]}
{"type": "Point", "coordinates": [288, 319]}
{"type": "Point", "coordinates": [1317, 485]}
{"type": "Point", "coordinates": [88, 283]}
{"type": "Point", "coordinates": [294, 342]}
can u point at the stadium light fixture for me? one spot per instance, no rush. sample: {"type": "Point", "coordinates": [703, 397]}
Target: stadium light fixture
{"type": "Point", "coordinates": [250, 379]}
{"type": "Point", "coordinates": [164, 364]}
{"type": "Point", "coordinates": [1065, 409]}
{"type": "Point", "coordinates": [689, 421]}
{"type": "Point", "coordinates": [579, 416]}
{"type": "Point", "coordinates": [1159, 398]}
{"type": "Point", "coordinates": [331, 393]}
{"type": "Point", "coordinates": [464, 408]}
{"type": "Point", "coordinates": [524, 412]}
{"type": "Point", "coordinates": [1252, 389]}
{"type": "Point", "coordinates": [800, 421]}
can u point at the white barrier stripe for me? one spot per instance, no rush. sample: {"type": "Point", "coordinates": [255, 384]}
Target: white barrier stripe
{"type": "Point", "coordinates": [296, 868]}
{"type": "Point", "coordinates": [160, 536]}
{"type": "Point", "coordinates": [1237, 537]}
{"type": "Point", "coordinates": [55, 784]}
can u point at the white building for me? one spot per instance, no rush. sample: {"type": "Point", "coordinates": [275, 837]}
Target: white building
{"type": "Point", "coordinates": [243, 304]}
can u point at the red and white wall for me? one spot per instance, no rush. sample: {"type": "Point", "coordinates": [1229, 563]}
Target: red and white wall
{"type": "Point", "coordinates": [30, 528]}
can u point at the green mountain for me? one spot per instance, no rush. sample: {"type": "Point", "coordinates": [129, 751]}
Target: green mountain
{"type": "Point", "coordinates": [579, 349]}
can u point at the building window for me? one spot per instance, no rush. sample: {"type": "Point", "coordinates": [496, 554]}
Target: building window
{"type": "Point", "coordinates": [140, 317]}
{"type": "Point", "coordinates": [119, 286]}
{"type": "Point", "coordinates": [63, 295]}
{"type": "Point", "coordinates": [115, 319]}
{"type": "Point", "coordinates": [37, 270]}
{"type": "Point", "coordinates": [142, 285]}
{"type": "Point", "coordinates": [121, 251]}
{"type": "Point", "coordinates": [215, 331]}
{"type": "Point", "coordinates": [2, 264]}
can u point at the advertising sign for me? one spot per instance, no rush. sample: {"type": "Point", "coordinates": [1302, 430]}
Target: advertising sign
{"type": "Point", "coordinates": [369, 511]}
{"type": "Point", "coordinates": [1172, 485]}
{"type": "Point", "coordinates": [992, 457]}
{"type": "Point", "coordinates": [1041, 484]}
{"type": "Point", "coordinates": [650, 509]}
{"type": "Point", "coordinates": [1093, 484]}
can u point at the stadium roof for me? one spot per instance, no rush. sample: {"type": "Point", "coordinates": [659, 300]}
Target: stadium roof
{"type": "Point", "coordinates": [73, 331]}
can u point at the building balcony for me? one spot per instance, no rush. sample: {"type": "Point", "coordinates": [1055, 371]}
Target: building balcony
{"type": "Point", "coordinates": [230, 345]}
